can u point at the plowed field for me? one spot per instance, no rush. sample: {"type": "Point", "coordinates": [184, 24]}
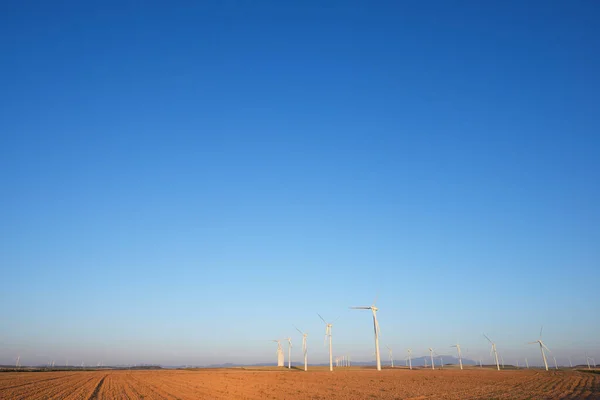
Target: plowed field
{"type": "Point", "coordinates": [294, 384]}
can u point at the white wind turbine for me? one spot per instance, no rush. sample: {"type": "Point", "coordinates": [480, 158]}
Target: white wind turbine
{"type": "Point", "coordinates": [555, 364]}
{"type": "Point", "coordinates": [375, 328]}
{"type": "Point", "coordinates": [542, 347]}
{"type": "Point", "coordinates": [289, 352]}
{"type": "Point", "coordinates": [409, 351]}
{"type": "Point", "coordinates": [304, 349]}
{"type": "Point", "coordinates": [493, 350]}
{"type": "Point", "coordinates": [17, 365]}
{"type": "Point", "coordinates": [459, 354]}
{"type": "Point", "coordinates": [391, 356]}
{"type": "Point", "coordinates": [431, 355]}
{"type": "Point", "coordinates": [279, 353]}
{"type": "Point", "coordinates": [328, 327]}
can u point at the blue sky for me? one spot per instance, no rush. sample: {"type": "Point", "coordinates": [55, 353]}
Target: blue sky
{"type": "Point", "coordinates": [180, 183]}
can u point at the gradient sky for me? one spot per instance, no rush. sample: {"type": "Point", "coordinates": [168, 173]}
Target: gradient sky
{"type": "Point", "coordinates": [181, 182]}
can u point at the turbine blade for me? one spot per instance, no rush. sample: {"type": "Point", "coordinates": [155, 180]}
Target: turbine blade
{"type": "Point", "coordinates": [298, 329]}
{"type": "Point", "coordinates": [321, 318]}
{"type": "Point", "coordinates": [544, 346]}
{"type": "Point", "coordinates": [486, 336]}
{"type": "Point", "coordinates": [375, 301]}
{"type": "Point", "coordinates": [541, 329]}
{"type": "Point", "coordinates": [360, 308]}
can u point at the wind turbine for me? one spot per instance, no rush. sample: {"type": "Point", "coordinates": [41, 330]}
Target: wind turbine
{"type": "Point", "coordinates": [570, 362]}
{"type": "Point", "coordinates": [502, 358]}
{"type": "Point", "coordinates": [375, 328]}
{"type": "Point", "coordinates": [328, 327]}
{"type": "Point", "coordinates": [459, 354]}
{"type": "Point", "coordinates": [289, 352]}
{"type": "Point", "coordinates": [526, 363]}
{"type": "Point", "coordinates": [555, 364]}
{"type": "Point", "coordinates": [304, 349]}
{"type": "Point", "coordinates": [17, 365]}
{"type": "Point", "coordinates": [279, 353]}
{"type": "Point", "coordinates": [409, 351]}
{"type": "Point", "coordinates": [431, 355]}
{"type": "Point", "coordinates": [493, 350]}
{"type": "Point", "coordinates": [391, 356]}
{"type": "Point", "coordinates": [542, 347]}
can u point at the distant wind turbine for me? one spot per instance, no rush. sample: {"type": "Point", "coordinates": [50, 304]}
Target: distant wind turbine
{"type": "Point", "coordinates": [493, 350]}
{"type": "Point", "coordinates": [526, 363]}
{"type": "Point", "coordinates": [279, 352]}
{"type": "Point", "coordinates": [376, 329]}
{"type": "Point", "coordinates": [17, 365]}
{"type": "Point", "coordinates": [328, 327]}
{"type": "Point", "coordinates": [459, 354]}
{"type": "Point", "coordinates": [542, 347]}
{"type": "Point", "coordinates": [289, 352]}
{"type": "Point", "coordinates": [431, 355]}
{"type": "Point", "coordinates": [555, 364]}
{"type": "Point", "coordinates": [304, 349]}
{"type": "Point", "coordinates": [391, 356]}
{"type": "Point", "coordinates": [409, 351]}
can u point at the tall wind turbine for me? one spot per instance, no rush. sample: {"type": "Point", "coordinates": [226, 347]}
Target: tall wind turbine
{"type": "Point", "coordinates": [391, 356]}
{"type": "Point", "coordinates": [289, 352]}
{"type": "Point", "coordinates": [328, 327]}
{"type": "Point", "coordinates": [542, 347]}
{"type": "Point", "coordinates": [555, 364]}
{"type": "Point", "coordinates": [459, 354]}
{"type": "Point", "coordinates": [375, 328]}
{"type": "Point", "coordinates": [431, 355]}
{"type": "Point", "coordinates": [493, 350]}
{"type": "Point", "coordinates": [409, 351]}
{"type": "Point", "coordinates": [527, 363]}
{"type": "Point", "coordinates": [304, 349]}
{"type": "Point", "coordinates": [17, 365]}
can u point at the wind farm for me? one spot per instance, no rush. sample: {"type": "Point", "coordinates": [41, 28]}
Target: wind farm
{"type": "Point", "coordinates": [308, 199]}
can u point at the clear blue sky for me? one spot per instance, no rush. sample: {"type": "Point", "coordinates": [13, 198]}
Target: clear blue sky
{"type": "Point", "coordinates": [181, 182]}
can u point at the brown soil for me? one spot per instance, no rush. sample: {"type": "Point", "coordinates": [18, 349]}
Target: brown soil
{"type": "Point", "coordinates": [316, 384]}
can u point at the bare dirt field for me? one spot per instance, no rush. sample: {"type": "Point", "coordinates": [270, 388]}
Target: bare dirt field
{"type": "Point", "coordinates": [351, 383]}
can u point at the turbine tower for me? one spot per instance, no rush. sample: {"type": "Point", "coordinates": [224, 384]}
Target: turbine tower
{"type": "Point", "coordinates": [409, 351]}
{"type": "Point", "coordinates": [289, 352]}
{"type": "Point", "coordinates": [459, 354]}
{"type": "Point", "coordinates": [18, 361]}
{"type": "Point", "coordinates": [431, 355]}
{"type": "Point", "coordinates": [555, 364]}
{"type": "Point", "coordinates": [493, 350]}
{"type": "Point", "coordinates": [328, 327]}
{"type": "Point", "coordinates": [542, 347]}
{"type": "Point", "coordinates": [375, 328]}
{"type": "Point", "coordinates": [304, 349]}
{"type": "Point", "coordinates": [391, 356]}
